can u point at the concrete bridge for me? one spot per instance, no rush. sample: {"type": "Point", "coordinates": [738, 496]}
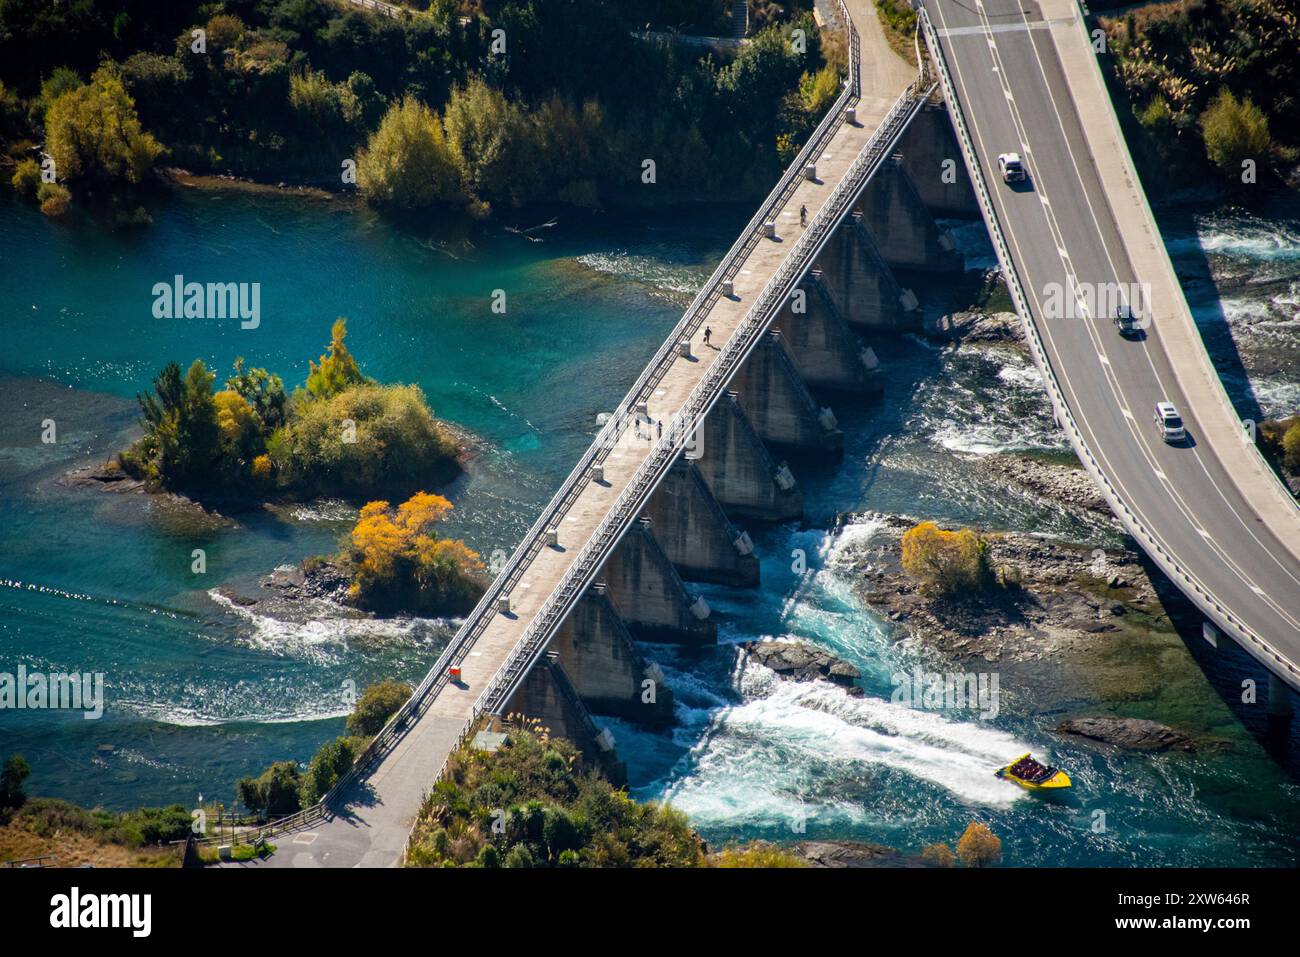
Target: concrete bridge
{"type": "Point", "coordinates": [742, 387]}
{"type": "Point", "coordinates": [1023, 77]}
{"type": "Point", "coordinates": [700, 445]}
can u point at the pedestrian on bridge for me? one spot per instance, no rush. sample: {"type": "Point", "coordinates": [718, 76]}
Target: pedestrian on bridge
{"type": "Point", "coordinates": [803, 215]}
{"type": "Point", "coordinates": [707, 332]}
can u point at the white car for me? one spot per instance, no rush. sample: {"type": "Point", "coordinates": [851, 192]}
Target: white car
{"type": "Point", "coordinates": [1169, 422]}
{"type": "Point", "coordinates": [1012, 168]}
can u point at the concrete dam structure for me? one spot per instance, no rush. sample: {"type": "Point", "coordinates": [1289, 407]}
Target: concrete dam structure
{"type": "Point", "coordinates": [709, 441]}
{"type": "Point", "coordinates": [741, 468]}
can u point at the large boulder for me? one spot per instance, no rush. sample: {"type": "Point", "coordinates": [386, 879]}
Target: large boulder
{"type": "Point", "coordinates": [1138, 734]}
{"type": "Point", "coordinates": [800, 662]}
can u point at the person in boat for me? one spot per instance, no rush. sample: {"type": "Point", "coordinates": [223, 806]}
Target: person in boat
{"type": "Point", "coordinates": [1027, 769]}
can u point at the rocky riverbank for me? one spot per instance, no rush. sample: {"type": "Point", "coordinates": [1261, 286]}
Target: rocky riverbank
{"type": "Point", "coordinates": [974, 326]}
{"type": "Point", "coordinates": [1066, 485]}
{"type": "Point", "coordinates": [1058, 596]}
{"type": "Point", "coordinates": [850, 854]}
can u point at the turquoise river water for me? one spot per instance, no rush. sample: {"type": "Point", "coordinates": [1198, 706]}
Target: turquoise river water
{"type": "Point", "coordinates": [201, 691]}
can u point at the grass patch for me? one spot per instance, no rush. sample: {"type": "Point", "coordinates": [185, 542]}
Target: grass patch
{"type": "Point", "coordinates": [899, 21]}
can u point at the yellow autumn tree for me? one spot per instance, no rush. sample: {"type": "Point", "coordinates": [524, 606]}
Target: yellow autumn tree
{"type": "Point", "coordinates": [979, 846]}
{"type": "Point", "coordinates": [947, 562]}
{"type": "Point", "coordinates": [938, 855]}
{"type": "Point", "coordinates": [399, 564]}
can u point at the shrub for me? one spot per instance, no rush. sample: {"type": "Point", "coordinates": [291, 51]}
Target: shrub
{"type": "Point", "coordinates": [979, 846]}
{"type": "Point", "coordinates": [376, 705]}
{"type": "Point", "coordinates": [938, 855]}
{"type": "Point", "coordinates": [330, 762]}
{"type": "Point", "coordinates": [93, 132]}
{"type": "Point", "coordinates": [54, 199]}
{"type": "Point", "coordinates": [407, 162]}
{"type": "Point", "coordinates": [1291, 446]}
{"type": "Point", "coordinates": [1234, 131]}
{"type": "Point", "coordinates": [948, 562]}
{"type": "Point", "coordinates": [27, 179]}
{"type": "Point", "coordinates": [13, 775]}
{"type": "Point", "coordinates": [398, 562]}
{"type": "Point", "coordinates": [556, 815]}
{"type": "Point", "coordinates": [274, 793]}
{"type": "Point", "coordinates": [756, 854]}
{"type": "Point", "coordinates": [395, 443]}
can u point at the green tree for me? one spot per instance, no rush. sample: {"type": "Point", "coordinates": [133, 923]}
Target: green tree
{"type": "Point", "coordinates": [263, 390]}
{"type": "Point", "coordinates": [337, 369]}
{"type": "Point", "coordinates": [93, 133]}
{"type": "Point", "coordinates": [182, 434]}
{"type": "Point", "coordinates": [376, 705]}
{"type": "Point", "coordinates": [27, 179]}
{"type": "Point", "coordinates": [13, 775]}
{"type": "Point", "coordinates": [328, 764]}
{"type": "Point", "coordinates": [487, 135]}
{"type": "Point", "coordinates": [62, 80]}
{"type": "Point", "coordinates": [275, 792]}
{"type": "Point", "coordinates": [1291, 447]}
{"type": "Point", "coordinates": [1234, 131]}
{"type": "Point", "coordinates": [407, 162]}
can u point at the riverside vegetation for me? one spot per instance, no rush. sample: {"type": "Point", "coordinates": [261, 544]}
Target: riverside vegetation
{"type": "Point", "coordinates": [533, 803]}
{"type": "Point", "coordinates": [72, 836]}
{"type": "Point", "coordinates": [428, 109]}
{"type": "Point", "coordinates": [340, 434]}
{"type": "Point", "coordinates": [1211, 83]}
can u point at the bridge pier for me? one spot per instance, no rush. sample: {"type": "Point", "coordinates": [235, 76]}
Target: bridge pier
{"type": "Point", "coordinates": [606, 670]}
{"type": "Point", "coordinates": [650, 596]}
{"type": "Point", "coordinates": [825, 350]}
{"type": "Point", "coordinates": [1279, 697]}
{"type": "Point", "coordinates": [548, 695]}
{"type": "Point", "coordinates": [778, 404]}
{"type": "Point", "coordinates": [696, 534]}
{"type": "Point", "coordinates": [895, 214]}
{"type": "Point", "coordinates": [934, 163]}
{"type": "Point", "coordinates": [741, 472]}
{"type": "Point", "coordinates": [860, 284]}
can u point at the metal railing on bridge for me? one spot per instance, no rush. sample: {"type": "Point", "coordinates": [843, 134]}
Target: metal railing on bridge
{"type": "Point", "coordinates": [1199, 594]}
{"type": "Point", "coordinates": [723, 368]}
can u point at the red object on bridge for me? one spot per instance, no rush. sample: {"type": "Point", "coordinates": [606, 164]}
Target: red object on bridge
{"type": "Point", "coordinates": [454, 674]}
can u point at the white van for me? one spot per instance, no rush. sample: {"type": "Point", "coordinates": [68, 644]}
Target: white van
{"type": "Point", "coordinates": [1169, 422]}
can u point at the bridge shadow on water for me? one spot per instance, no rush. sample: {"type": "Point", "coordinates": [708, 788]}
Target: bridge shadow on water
{"type": "Point", "coordinates": [1230, 671]}
{"type": "Point", "coordinates": [1193, 268]}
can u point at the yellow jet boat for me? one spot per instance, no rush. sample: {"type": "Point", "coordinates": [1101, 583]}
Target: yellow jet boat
{"type": "Point", "coordinates": [1032, 776]}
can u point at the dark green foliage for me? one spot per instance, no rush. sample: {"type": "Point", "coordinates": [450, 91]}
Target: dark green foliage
{"type": "Point", "coordinates": [46, 817]}
{"type": "Point", "coordinates": [289, 89]}
{"type": "Point", "coordinates": [13, 775]}
{"type": "Point", "coordinates": [531, 805]}
{"type": "Point", "coordinates": [274, 793]}
{"type": "Point", "coordinates": [251, 438]}
{"type": "Point", "coordinates": [1190, 69]}
{"type": "Point", "coordinates": [376, 705]}
{"type": "Point", "coordinates": [263, 390]}
{"type": "Point", "coordinates": [180, 420]}
{"type": "Point", "coordinates": [327, 765]}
